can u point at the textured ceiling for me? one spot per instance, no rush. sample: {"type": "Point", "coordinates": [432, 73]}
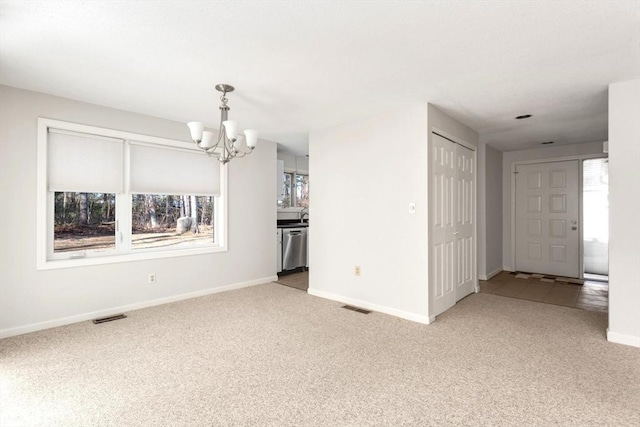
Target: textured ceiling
{"type": "Point", "coordinates": [299, 66]}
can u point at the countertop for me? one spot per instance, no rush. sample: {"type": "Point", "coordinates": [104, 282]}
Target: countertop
{"type": "Point", "coordinates": [292, 223]}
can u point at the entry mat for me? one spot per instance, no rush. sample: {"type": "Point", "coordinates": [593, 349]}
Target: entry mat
{"type": "Point", "coordinates": [547, 278]}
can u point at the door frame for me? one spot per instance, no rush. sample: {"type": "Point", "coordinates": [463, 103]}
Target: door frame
{"type": "Point", "coordinates": [580, 210]}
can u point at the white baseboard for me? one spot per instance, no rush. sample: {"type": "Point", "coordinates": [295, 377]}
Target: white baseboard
{"type": "Point", "coordinates": [5, 333]}
{"type": "Point", "coordinates": [623, 339]}
{"type": "Point", "coordinates": [374, 307]}
{"type": "Point", "coordinates": [488, 276]}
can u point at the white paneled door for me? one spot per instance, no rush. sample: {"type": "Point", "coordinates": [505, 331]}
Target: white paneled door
{"type": "Point", "coordinates": [547, 218]}
{"type": "Point", "coordinates": [453, 223]}
{"type": "Point", "coordinates": [444, 175]}
{"type": "Point", "coordinates": [465, 222]}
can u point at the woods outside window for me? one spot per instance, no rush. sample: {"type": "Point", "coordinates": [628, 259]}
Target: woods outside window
{"type": "Point", "coordinates": [295, 190]}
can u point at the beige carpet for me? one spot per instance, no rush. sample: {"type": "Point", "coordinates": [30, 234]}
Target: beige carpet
{"type": "Point", "coordinates": [271, 355]}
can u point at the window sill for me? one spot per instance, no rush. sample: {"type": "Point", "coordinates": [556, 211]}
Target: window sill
{"type": "Point", "coordinates": [52, 264]}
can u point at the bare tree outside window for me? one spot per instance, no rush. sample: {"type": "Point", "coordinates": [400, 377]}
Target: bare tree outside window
{"type": "Point", "coordinates": [302, 190]}
{"type": "Point", "coordinates": [185, 221]}
{"type": "Point", "coordinates": [287, 194]}
{"type": "Point", "coordinates": [295, 190]}
{"type": "Point", "coordinates": [84, 222]}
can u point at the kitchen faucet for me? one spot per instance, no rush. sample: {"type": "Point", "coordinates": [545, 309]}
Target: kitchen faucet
{"type": "Point", "coordinates": [304, 211]}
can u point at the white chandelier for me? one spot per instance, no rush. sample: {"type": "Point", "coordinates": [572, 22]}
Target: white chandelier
{"type": "Point", "coordinates": [229, 143]}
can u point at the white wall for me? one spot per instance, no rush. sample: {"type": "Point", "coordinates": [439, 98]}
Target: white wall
{"type": "Point", "coordinates": [624, 213]}
{"type": "Point", "coordinates": [32, 299]}
{"type": "Point", "coordinates": [291, 162]}
{"type": "Point", "coordinates": [492, 248]}
{"type": "Point", "coordinates": [510, 157]}
{"type": "Point", "coordinates": [365, 174]}
{"type": "Point", "coordinates": [481, 186]}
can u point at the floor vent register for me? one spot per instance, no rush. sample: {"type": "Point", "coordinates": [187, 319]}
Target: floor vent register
{"type": "Point", "coordinates": [356, 309]}
{"type": "Point", "coordinates": [109, 318]}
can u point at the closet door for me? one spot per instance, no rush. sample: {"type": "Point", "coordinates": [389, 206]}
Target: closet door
{"type": "Point", "coordinates": [453, 224]}
{"type": "Point", "coordinates": [465, 243]}
{"type": "Point", "coordinates": [443, 224]}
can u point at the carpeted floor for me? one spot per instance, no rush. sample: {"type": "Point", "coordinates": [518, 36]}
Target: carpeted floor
{"type": "Point", "coordinates": [272, 355]}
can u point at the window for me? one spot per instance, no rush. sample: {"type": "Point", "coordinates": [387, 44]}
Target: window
{"type": "Point", "coordinates": [171, 221]}
{"type": "Point", "coordinates": [110, 196]}
{"type": "Point", "coordinates": [287, 197]}
{"type": "Point", "coordinates": [295, 190]}
{"type": "Point", "coordinates": [84, 222]}
{"type": "Point", "coordinates": [302, 190]}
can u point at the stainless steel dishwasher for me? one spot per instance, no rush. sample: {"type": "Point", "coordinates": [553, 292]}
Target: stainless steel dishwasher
{"type": "Point", "coordinates": [294, 248]}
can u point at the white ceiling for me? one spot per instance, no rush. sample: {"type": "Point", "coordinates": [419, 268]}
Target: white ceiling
{"type": "Point", "coordinates": [299, 66]}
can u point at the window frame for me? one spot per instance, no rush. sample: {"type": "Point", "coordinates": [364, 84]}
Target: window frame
{"type": "Point", "coordinates": [46, 259]}
{"type": "Point", "coordinates": [295, 187]}
{"type": "Point", "coordinates": [294, 196]}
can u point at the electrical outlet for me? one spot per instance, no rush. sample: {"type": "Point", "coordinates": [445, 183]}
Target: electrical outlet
{"type": "Point", "coordinates": [152, 278]}
{"type": "Point", "coordinates": [356, 270]}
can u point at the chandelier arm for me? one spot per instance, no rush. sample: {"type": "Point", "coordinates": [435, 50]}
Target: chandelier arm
{"type": "Point", "coordinates": [241, 153]}
{"type": "Point", "coordinates": [212, 154]}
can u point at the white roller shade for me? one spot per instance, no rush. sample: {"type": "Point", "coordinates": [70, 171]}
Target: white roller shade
{"type": "Point", "coordinates": [158, 169]}
{"type": "Point", "coordinates": [83, 163]}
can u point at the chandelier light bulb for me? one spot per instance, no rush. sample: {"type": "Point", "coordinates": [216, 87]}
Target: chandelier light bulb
{"type": "Point", "coordinates": [207, 140]}
{"type": "Point", "coordinates": [196, 129]}
{"type": "Point", "coordinates": [251, 136]}
{"type": "Point", "coordinates": [231, 127]}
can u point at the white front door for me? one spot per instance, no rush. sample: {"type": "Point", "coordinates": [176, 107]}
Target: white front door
{"type": "Point", "coordinates": [547, 215]}
{"type": "Point", "coordinates": [465, 222]}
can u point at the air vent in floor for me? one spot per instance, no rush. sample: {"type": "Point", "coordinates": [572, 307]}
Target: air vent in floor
{"type": "Point", "coordinates": [359, 310]}
{"type": "Point", "coordinates": [109, 318]}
